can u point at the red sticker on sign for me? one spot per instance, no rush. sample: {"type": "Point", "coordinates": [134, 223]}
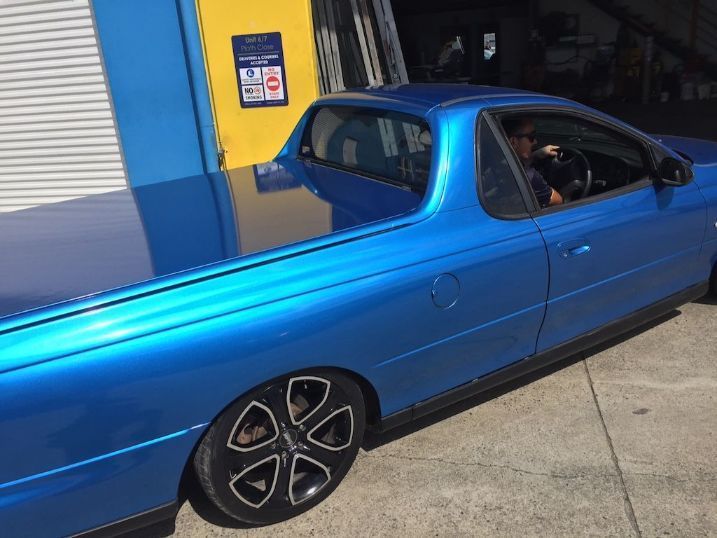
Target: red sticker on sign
{"type": "Point", "coordinates": [273, 83]}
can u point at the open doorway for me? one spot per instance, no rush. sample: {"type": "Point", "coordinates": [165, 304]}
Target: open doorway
{"type": "Point", "coordinates": [460, 41]}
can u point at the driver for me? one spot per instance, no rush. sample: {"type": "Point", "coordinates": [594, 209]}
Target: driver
{"type": "Point", "coordinates": [521, 135]}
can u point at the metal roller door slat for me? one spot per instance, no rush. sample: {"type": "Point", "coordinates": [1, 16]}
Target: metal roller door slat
{"type": "Point", "coordinates": [58, 183]}
{"type": "Point", "coordinates": [50, 189]}
{"type": "Point", "coordinates": [11, 121]}
{"type": "Point", "coordinates": [27, 202]}
{"type": "Point", "coordinates": [57, 73]}
{"type": "Point", "coordinates": [48, 110]}
{"type": "Point", "coordinates": [42, 27]}
{"type": "Point", "coordinates": [46, 46]}
{"type": "Point", "coordinates": [52, 63]}
{"type": "Point", "coordinates": [13, 58]}
{"type": "Point", "coordinates": [56, 162]}
{"type": "Point", "coordinates": [72, 125]}
{"type": "Point", "coordinates": [47, 36]}
{"type": "Point", "coordinates": [61, 162]}
{"type": "Point", "coordinates": [38, 153]}
{"type": "Point", "coordinates": [24, 3]}
{"type": "Point", "coordinates": [59, 133]}
{"type": "Point", "coordinates": [90, 97]}
{"type": "Point", "coordinates": [65, 194]}
{"type": "Point", "coordinates": [6, 171]}
{"type": "Point", "coordinates": [53, 83]}
{"type": "Point", "coordinates": [104, 174]}
{"type": "Point", "coordinates": [40, 7]}
{"type": "Point", "coordinates": [68, 91]}
{"type": "Point", "coordinates": [62, 144]}
{"type": "Point", "coordinates": [44, 17]}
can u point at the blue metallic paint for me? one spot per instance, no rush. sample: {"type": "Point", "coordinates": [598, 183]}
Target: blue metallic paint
{"type": "Point", "coordinates": [167, 228]}
{"type": "Point", "coordinates": [649, 240]}
{"type": "Point", "coordinates": [704, 155]}
{"type": "Point", "coordinates": [104, 397]}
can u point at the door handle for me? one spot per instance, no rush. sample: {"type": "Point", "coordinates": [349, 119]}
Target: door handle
{"type": "Point", "coordinates": [575, 247]}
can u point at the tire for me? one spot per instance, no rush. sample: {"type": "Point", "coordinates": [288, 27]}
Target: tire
{"type": "Point", "coordinates": [282, 448]}
{"type": "Point", "coordinates": [713, 282]}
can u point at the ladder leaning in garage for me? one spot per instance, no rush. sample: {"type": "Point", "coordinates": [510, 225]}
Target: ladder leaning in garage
{"type": "Point", "coordinates": [357, 44]}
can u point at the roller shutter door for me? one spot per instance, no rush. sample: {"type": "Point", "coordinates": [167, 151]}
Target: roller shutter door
{"type": "Point", "coordinates": [58, 138]}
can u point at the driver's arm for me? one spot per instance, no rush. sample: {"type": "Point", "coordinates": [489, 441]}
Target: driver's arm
{"type": "Point", "coordinates": [546, 151]}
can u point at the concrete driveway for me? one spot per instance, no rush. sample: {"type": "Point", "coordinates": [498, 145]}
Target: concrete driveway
{"type": "Point", "coordinates": [619, 441]}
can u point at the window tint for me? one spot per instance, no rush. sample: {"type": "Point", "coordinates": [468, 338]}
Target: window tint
{"type": "Point", "coordinates": [590, 137]}
{"type": "Point", "coordinates": [592, 158]}
{"type": "Point", "coordinates": [498, 187]}
{"type": "Point", "coordinates": [387, 145]}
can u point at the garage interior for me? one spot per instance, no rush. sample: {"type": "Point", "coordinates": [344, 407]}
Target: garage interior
{"type": "Point", "coordinates": [650, 62]}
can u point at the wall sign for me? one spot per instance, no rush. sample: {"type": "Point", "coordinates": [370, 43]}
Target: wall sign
{"type": "Point", "coordinates": [259, 62]}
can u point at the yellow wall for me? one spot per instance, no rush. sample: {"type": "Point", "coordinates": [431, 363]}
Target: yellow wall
{"type": "Point", "coordinates": [251, 135]}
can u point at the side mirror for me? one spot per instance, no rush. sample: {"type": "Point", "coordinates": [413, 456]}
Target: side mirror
{"type": "Point", "coordinates": [674, 172]}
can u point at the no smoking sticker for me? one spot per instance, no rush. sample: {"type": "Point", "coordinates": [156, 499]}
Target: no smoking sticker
{"type": "Point", "coordinates": [253, 93]}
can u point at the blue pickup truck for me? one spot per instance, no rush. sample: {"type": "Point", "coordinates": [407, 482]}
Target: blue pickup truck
{"type": "Point", "coordinates": [410, 246]}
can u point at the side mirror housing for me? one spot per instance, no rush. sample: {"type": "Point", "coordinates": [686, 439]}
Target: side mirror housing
{"type": "Point", "coordinates": [674, 172]}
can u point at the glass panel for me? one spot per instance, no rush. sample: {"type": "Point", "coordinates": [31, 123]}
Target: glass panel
{"type": "Point", "coordinates": [499, 188]}
{"type": "Point", "coordinates": [383, 144]}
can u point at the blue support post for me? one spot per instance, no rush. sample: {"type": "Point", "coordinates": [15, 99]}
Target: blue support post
{"type": "Point", "coordinates": [198, 81]}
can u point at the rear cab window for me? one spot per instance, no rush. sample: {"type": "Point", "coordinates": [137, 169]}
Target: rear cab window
{"type": "Point", "coordinates": [384, 145]}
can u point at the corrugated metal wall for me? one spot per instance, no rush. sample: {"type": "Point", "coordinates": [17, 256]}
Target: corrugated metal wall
{"type": "Point", "coordinates": [58, 139]}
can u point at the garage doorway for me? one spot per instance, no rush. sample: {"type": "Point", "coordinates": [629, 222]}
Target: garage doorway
{"type": "Point", "coordinates": [459, 41]}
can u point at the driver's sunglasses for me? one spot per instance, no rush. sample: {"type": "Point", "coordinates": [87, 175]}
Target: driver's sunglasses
{"type": "Point", "coordinates": [531, 136]}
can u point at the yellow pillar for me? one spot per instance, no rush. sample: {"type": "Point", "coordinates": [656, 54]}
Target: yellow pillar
{"type": "Point", "coordinates": [252, 135]}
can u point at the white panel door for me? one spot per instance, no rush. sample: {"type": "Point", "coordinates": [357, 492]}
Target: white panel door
{"type": "Point", "coordinates": [58, 139]}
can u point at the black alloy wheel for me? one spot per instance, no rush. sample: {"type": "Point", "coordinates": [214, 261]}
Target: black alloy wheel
{"type": "Point", "coordinates": [282, 448]}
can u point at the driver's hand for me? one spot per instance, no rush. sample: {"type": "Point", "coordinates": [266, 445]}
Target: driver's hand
{"type": "Point", "coordinates": [545, 152]}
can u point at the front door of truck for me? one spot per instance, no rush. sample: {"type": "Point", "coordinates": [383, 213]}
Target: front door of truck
{"type": "Point", "coordinates": [627, 243]}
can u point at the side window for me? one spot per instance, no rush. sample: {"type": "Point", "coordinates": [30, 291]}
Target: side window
{"type": "Point", "coordinates": [497, 185]}
{"type": "Point", "coordinates": [386, 145]}
{"type": "Point", "coordinates": [613, 159]}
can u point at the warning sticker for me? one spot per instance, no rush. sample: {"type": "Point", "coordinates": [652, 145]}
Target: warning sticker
{"type": "Point", "coordinates": [259, 62]}
{"type": "Point", "coordinates": [272, 83]}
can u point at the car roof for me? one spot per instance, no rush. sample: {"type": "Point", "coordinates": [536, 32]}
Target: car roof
{"type": "Point", "coordinates": [430, 95]}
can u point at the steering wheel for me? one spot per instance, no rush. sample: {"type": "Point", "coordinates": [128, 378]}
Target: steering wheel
{"type": "Point", "coordinates": [571, 171]}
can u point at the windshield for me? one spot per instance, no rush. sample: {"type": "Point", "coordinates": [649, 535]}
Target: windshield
{"type": "Point", "coordinates": [385, 145]}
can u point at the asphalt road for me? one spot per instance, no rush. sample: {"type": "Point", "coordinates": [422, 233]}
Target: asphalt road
{"type": "Point", "coordinates": [619, 441]}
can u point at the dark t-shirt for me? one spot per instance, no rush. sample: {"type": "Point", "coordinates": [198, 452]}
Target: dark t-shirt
{"type": "Point", "coordinates": [542, 190]}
